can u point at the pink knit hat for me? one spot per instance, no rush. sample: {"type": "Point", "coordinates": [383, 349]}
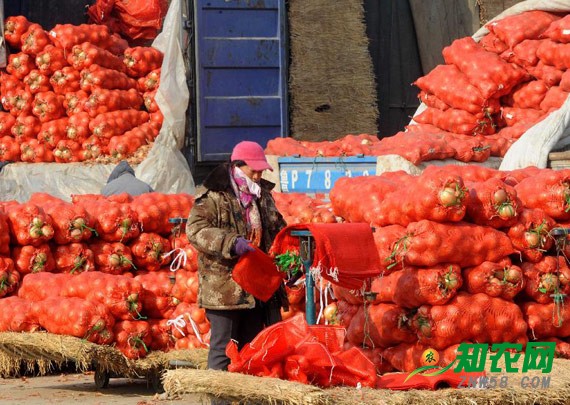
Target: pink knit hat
{"type": "Point", "coordinates": [252, 154]}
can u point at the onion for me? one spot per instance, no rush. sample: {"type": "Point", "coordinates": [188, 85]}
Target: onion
{"type": "Point", "coordinates": [330, 312]}
{"type": "Point", "coordinates": [500, 196]}
{"type": "Point", "coordinates": [78, 223]}
{"type": "Point", "coordinates": [47, 231]}
{"type": "Point", "coordinates": [448, 197]}
{"type": "Point", "coordinates": [532, 239]}
{"type": "Point", "coordinates": [114, 260]}
{"type": "Point", "coordinates": [512, 275]}
{"type": "Point", "coordinates": [35, 232]}
{"type": "Point", "coordinates": [507, 211]}
{"type": "Point", "coordinates": [75, 234]}
{"type": "Point", "coordinates": [548, 282]}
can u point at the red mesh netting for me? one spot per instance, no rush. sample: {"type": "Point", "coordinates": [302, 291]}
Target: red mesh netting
{"type": "Point", "coordinates": [348, 249]}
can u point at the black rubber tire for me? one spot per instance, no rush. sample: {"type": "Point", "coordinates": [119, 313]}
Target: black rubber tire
{"type": "Point", "coordinates": [101, 378]}
{"type": "Point", "coordinates": [156, 382]}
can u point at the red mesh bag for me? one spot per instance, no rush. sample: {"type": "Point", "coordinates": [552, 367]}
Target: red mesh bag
{"type": "Point", "coordinates": [381, 325]}
{"type": "Point", "coordinates": [553, 99]}
{"type": "Point", "coordinates": [33, 259]}
{"type": "Point", "coordinates": [257, 274]}
{"type": "Point", "coordinates": [550, 75]}
{"type": "Point", "coordinates": [529, 95]}
{"type": "Point", "coordinates": [9, 277]}
{"type": "Point", "coordinates": [40, 286]}
{"type": "Point", "coordinates": [452, 87]}
{"type": "Point", "coordinates": [428, 243]}
{"type": "Point", "coordinates": [409, 356]}
{"type": "Point", "coordinates": [344, 253]}
{"type": "Point", "coordinates": [413, 287]}
{"type": "Point", "coordinates": [554, 54]}
{"type": "Point", "coordinates": [502, 279]}
{"type": "Point", "coordinates": [4, 234]}
{"type": "Point", "coordinates": [387, 239]}
{"type": "Point", "coordinates": [332, 337]}
{"type": "Point", "coordinates": [443, 200]}
{"type": "Point", "coordinates": [457, 121]}
{"type": "Point", "coordinates": [516, 28]}
{"type": "Point", "coordinates": [524, 54]}
{"type": "Point", "coordinates": [413, 149]}
{"type": "Point", "coordinates": [470, 317]}
{"type": "Point", "coordinates": [493, 203]}
{"type": "Point", "coordinates": [15, 315]}
{"type": "Point", "coordinates": [347, 197]}
{"type": "Point", "coordinates": [271, 345]}
{"type": "Point", "coordinates": [492, 43]}
{"type": "Point", "coordinates": [471, 173]}
{"type": "Point", "coordinates": [491, 74]}
{"type": "Point", "coordinates": [559, 30]}
{"type": "Point", "coordinates": [547, 320]}
{"type": "Point", "coordinates": [547, 190]}
{"type": "Point", "coordinates": [531, 234]}
{"type": "Point", "coordinates": [546, 278]}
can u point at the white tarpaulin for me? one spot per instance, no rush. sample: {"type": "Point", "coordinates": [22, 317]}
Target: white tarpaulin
{"type": "Point", "coordinates": [164, 168]}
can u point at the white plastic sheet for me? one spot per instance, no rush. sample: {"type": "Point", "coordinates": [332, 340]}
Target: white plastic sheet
{"type": "Point", "coordinates": [164, 168]}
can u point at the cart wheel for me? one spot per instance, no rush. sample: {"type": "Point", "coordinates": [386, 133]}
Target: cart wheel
{"type": "Point", "coordinates": [101, 378]}
{"type": "Point", "coordinates": [156, 382]}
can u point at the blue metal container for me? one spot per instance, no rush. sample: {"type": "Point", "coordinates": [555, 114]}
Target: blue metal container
{"type": "Point", "coordinates": [241, 74]}
{"type": "Point", "coordinates": [318, 175]}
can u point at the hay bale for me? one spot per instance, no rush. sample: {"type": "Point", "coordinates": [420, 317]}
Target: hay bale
{"type": "Point", "coordinates": [42, 352]}
{"type": "Point", "coordinates": [240, 387]}
{"type": "Point", "coordinates": [558, 392]}
{"type": "Point", "coordinates": [332, 86]}
{"type": "Point", "coordinates": [251, 389]}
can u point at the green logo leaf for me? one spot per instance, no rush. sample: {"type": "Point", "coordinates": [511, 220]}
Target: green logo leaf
{"type": "Point", "coordinates": [425, 368]}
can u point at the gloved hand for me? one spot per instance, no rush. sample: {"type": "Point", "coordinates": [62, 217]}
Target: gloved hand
{"type": "Point", "coordinates": [241, 246]}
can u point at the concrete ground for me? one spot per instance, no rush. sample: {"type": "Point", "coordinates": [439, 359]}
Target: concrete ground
{"type": "Point", "coordinates": [80, 388]}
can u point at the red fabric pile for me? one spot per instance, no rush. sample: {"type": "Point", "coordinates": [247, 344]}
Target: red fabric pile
{"type": "Point", "coordinates": [135, 19]}
{"type": "Point", "coordinates": [345, 253]}
{"type": "Point", "coordinates": [295, 351]}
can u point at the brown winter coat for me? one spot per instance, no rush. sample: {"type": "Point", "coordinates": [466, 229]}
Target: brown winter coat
{"type": "Point", "coordinates": [216, 220]}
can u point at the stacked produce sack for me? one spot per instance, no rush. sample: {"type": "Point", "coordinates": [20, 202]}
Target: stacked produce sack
{"type": "Point", "coordinates": [468, 256]}
{"type": "Point", "coordinates": [483, 99]}
{"type": "Point", "coordinates": [76, 93]}
{"type": "Point", "coordinates": [109, 270]}
{"type": "Point", "coordinates": [113, 270]}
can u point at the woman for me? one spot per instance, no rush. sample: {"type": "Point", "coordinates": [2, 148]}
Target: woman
{"type": "Point", "coordinates": [233, 208]}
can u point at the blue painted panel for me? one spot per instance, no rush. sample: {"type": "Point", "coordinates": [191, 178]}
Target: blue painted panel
{"type": "Point", "coordinates": [222, 139]}
{"type": "Point", "coordinates": [262, 82]}
{"type": "Point", "coordinates": [241, 74]}
{"type": "Point", "coordinates": [242, 112]}
{"type": "Point", "coordinates": [240, 23]}
{"type": "Point", "coordinates": [255, 4]}
{"type": "Point", "coordinates": [318, 175]}
{"type": "Point", "coordinates": [240, 53]}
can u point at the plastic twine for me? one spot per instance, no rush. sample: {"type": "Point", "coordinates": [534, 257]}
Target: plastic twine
{"type": "Point", "coordinates": [179, 260]}
{"type": "Point", "coordinates": [178, 323]}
